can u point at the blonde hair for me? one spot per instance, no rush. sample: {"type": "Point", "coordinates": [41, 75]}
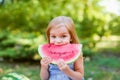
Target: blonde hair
{"type": "Point", "coordinates": [67, 22]}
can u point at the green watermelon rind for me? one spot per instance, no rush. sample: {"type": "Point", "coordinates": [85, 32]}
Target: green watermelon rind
{"type": "Point", "coordinates": [14, 76]}
{"type": "Point", "coordinates": [68, 62]}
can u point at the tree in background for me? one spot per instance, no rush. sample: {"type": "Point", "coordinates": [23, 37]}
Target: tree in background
{"type": "Point", "coordinates": [23, 22]}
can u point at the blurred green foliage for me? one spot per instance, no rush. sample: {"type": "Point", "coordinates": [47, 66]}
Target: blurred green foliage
{"type": "Point", "coordinates": [23, 24]}
{"type": "Point", "coordinates": [96, 68]}
{"type": "Point", "coordinates": [101, 68]}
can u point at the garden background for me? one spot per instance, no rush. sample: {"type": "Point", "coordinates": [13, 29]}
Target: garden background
{"type": "Point", "coordinates": [22, 29]}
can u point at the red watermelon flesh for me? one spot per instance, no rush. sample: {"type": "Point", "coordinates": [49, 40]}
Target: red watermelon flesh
{"type": "Point", "coordinates": [68, 52]}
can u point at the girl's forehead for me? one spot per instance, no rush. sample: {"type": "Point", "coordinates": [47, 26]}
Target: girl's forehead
{"type": "Point", "coordinates": [60, 29]}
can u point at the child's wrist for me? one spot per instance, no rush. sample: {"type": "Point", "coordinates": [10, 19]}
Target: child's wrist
{"type": "Point", "coordinates": [44, 67]}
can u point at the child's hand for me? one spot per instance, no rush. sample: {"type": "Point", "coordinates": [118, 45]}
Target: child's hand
{"type": "Point", "coordinates": [62, 65]}
{"type": "Point", "coordinates": [45, 62]}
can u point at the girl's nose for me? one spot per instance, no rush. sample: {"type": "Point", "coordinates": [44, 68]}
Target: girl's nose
{"type": "Point", "coordinates": [58, 40]}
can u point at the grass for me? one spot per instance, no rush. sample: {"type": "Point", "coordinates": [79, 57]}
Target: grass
{"type": "Point", "coordinates": [31, 70]}
{"type": "Point", "coordinates": [102, 67]}
{"type": "Point", "coordinates": [99, 67]}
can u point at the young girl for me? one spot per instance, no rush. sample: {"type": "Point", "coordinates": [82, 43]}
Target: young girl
{"type": "Point", "coordinates": [61, 31]}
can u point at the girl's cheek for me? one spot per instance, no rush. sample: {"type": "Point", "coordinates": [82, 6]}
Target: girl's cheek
{"type": "Point", "coordinates": [51, 41]}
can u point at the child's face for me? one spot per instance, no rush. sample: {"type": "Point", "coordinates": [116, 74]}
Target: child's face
{"type": "Point", "coordinates": [59, 36]}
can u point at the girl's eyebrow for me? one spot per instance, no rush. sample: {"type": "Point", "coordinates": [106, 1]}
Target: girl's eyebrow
{"type": "Point", "coordinates": [60, 33]}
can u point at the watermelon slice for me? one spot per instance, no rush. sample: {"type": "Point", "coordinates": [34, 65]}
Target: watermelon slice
{"type": "Point", "coordinates": [68, 52]}
{"type": "Point", "coordinates": [14, 76]}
